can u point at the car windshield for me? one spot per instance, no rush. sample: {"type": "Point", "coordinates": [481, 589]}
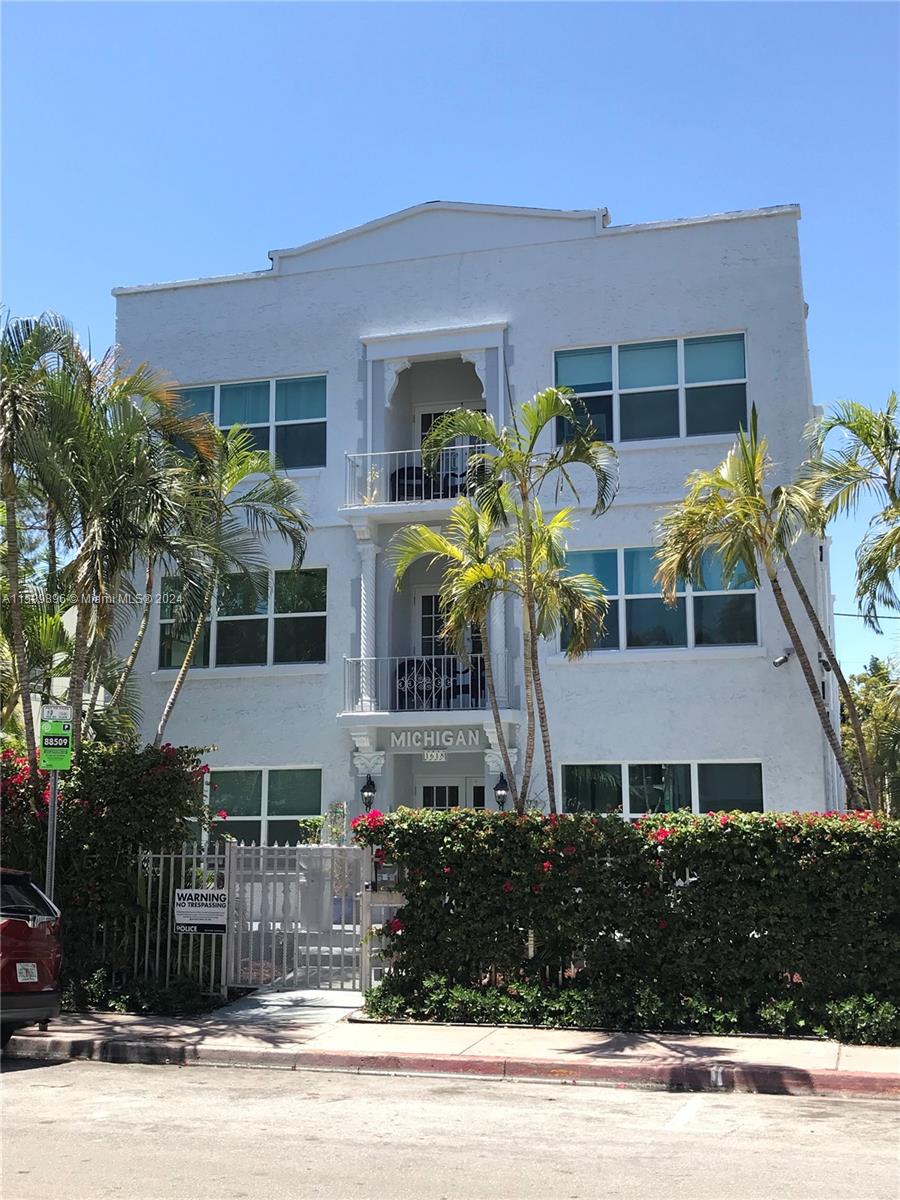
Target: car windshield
{"type": "Point", "coordinates": [20, 898]}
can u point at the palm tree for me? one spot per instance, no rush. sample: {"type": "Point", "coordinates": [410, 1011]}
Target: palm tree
{"type": "Point", "coordinates": [238, 496]}
{"type": "Point", "coordinates": [475, 575]}
{"type": "Point", "coordinates": [731, 511]}
{"type": "Point", "coordinates": [512, 455]}
{"type": "Point", "coordinates": [477, 572]}
{"type": "Point", "coordinates": [28, 347]}
{"type": "Point", "coordinates": [865, 465]}
{"type": "Point", "coordinates": [93, 458]}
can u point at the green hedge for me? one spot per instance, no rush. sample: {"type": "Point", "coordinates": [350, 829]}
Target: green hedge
{"type": "Point", "coordinates": [742, 922]}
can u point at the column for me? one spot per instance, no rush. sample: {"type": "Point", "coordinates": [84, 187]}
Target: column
{"type": "Point", "coordinates": [499, 656]}
{"type": "Point", "coordinates": [368, 553]}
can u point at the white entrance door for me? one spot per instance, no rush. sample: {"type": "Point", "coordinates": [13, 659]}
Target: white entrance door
{"type": "Point", "coordinates": [451, 792]}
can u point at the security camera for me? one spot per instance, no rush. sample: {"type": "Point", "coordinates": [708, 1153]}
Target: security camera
{"type": "Point", "coordinates": [782, 658]}
{"type": "Point", "coordinates": [824, 663]}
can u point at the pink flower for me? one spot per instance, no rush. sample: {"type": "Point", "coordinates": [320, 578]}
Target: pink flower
{"type": "Point", "coordinates": [507, 887]}
{"type": "Point", "coordinates": [723, 820]}
{"type": "Point", "coordinates": [662, 834]}
{"type": "Point", "coordinates": [536, 887]}
{"type": "Point", "coordinates": [395, 925]}
{"type": "Point", "coordinates": [222, 814]}
{"type": "Point", "coordinates": [662, 924]}
{"type": "Point", "coordinates": [447, 870]}
{"type": "Point", "coordinates": [546, 865]}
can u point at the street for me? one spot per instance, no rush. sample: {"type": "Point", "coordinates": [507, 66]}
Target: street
{"type": "Point", "coordinates": [88, 1131]}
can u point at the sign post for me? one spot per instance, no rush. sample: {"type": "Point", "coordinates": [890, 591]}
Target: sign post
{"type": "Point", "coordinates": [55, 756]}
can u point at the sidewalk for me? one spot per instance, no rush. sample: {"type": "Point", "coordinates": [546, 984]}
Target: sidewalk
{"type": "Point", "coordinates": [314, 1031]}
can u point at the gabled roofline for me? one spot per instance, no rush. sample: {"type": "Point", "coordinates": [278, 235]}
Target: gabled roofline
{"type": "Point", "coordinates": [600, 215]}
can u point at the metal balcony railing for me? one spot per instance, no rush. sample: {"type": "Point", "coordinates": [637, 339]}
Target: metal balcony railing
{"type": "Point", "coordinates": [398, 477]}
{"type": "Point", "coordinates": [410, 683]}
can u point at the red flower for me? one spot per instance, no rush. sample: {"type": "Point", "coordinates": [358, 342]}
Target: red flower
{"type": "Point", "coordinates": [379, 855]}
{"type": "Point", "coordinates": [662, 924]}
{"type": "Point", "coordinates": [222, 814]}
{"type": "Point", "coordinates": [507, 887]}
{"type": "Point", "coordinates": [723, 820]}
{"type": "Point", "coordinates": [536, 887]}
{"type": "Point", "coordinates": [662, 834]}
{"type": "Point", "coordinates": [546, 865]}
{"type": "Point", "coordinates": [395, 925]}
{"type": "Point", "coordinates": [569, 850]}
{"type": "Point", "coordinates": [446, 870]}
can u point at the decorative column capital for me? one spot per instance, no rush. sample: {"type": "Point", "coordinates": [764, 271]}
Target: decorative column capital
{"type": "Point", "coordinates": [493, 760]}
{"type": "Point", "coordinates": [478, 359]}
{"type": "Point", "coordinates": [392, 369]}
{"type": "Point", "coordinates": [371, 763]}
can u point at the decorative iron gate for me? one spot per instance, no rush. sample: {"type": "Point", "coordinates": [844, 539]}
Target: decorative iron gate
{"type": "Point", "coordinates": [295, 916]}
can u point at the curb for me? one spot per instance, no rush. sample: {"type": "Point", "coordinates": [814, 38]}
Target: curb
{"type": "Point", "coordinates": [673, 1077]}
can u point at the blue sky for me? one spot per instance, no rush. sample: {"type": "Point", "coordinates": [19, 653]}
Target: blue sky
{"type": "Point", "coordinates": [146, 142]}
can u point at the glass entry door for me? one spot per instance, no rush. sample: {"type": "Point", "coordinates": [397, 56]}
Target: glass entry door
{"type": "Point", "coordinates": [451, 792]}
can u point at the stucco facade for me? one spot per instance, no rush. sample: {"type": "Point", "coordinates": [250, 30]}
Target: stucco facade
{"type": "Point", "coordinates": [445, 305]}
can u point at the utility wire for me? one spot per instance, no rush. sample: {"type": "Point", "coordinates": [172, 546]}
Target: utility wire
{"type": "Point", "coordinates": [860, 617]}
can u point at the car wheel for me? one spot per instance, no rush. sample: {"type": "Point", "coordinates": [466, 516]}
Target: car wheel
{"type": "Point", "coordinates": [6, 1032]}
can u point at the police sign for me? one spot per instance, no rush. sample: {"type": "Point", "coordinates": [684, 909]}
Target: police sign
{"type": "Point", "coordinates": [200, 910]}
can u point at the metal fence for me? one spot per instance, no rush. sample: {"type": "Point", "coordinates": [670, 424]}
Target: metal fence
{"type": "Point", "coordinates": [420, 683]}
{"type": "Point", "coordinates": [158, 952]}
{"type": "Point", "coordinates": [399, 477]}
{"type": "Point", "coordinates": [295, 916]}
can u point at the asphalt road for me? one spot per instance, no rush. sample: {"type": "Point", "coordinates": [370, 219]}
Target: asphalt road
{"type": "Point", "coordinates": [88, 1131]}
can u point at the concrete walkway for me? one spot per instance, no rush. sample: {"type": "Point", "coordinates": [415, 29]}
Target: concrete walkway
{"type": "Point", "coordinates": [317, 1031]}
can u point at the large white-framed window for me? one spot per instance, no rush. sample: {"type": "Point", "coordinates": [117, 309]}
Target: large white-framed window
{"type": "Point", "coordinates": [264, 804]}
{"type": "Point", "coordinates": [275, 618]}
{"type": "Point", "coordinates": [634, 789]}
{"type": "Point", "coordinates": [287, 416]}
{"type": "Point", "coordinates": [668, 388]}
{"type": "Point", "coordinates": [707, 614]}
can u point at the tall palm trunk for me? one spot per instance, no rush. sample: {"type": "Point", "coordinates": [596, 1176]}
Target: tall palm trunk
{"type": "Point", "coordinates": [495, 712]}
{"type": "Point", "coordinates": [528, 636]}
{"type": "Point", "coordinates": [543, 720]}
{"type": "Point", "coordinates": [812, 684]}
{"type": "Point", "coordinates": [15, 614]}
{"type": "Point", "coordinates": [865, 760]}
{"type": "Point", "coordinates": [139, 637]}
{"type": "Point", "coordinates": [92, 703]}
{"type": "Point", "coordinates": [76, 676]}
{"type": "Point", "coordinates": [52, 584]}
{"type": "Point", "coordinates": [186, 665]}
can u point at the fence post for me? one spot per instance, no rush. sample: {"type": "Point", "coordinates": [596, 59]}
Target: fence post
{"type": "Point", "coordinates": [229, 938]}
{"type": "Point", "coordinates": [365, 921]}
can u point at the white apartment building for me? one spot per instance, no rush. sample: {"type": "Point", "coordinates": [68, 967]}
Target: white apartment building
{"type": "Point", "coordinates": [339, 356]}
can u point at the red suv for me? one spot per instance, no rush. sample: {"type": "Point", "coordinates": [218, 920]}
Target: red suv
{"type": "Point", "coordinates": [30, 953]}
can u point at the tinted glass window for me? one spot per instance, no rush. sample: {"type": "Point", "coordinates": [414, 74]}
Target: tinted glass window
{"type": "Point", "coordinates": [659, 787]}
{"type": "Point", "coordinates": [299, 399]}
{"type": "Point", "coordinates": [651, 623]}
{"type": "Point", "coordinates": [596, 413]}
{"type": "Point", "coordinates": [721, 409]}
{"type": "Point", "coordinates": [298, 793]}
{"type": "Point", "coordinates": [300, 445]}
{"type": "Point", "coordinates": [648, 415]}
{"type": "Point", "coordinates": [648, 365]}
{"type": "Point", "coordinates": [244, 404]}
{"type": "Point", "coordinates": [713, 358]}
{"type": "Point", "coordinates": [585, 370]}
{"type": "Point", "coordinates": [300, 591]}
{"type": "Point", "coordinates": [592, 788]}
{"type": "Point", "coordinates": [173, 647]}
{"type": "Point", "coordinates": [241, 643]}
{"type": "Point", "coordinates": [299, 639]}
{"type": "Point", "coordinates": [725, 620]}
{"type": "Point", "coordinates": [19, 897]}
{"type": "Point", "coordinates": [730, 785]}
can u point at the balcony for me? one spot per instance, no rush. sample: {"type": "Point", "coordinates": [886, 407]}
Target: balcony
{"type": "Point", "coordinates": [416, 684]}
{"type": "Point", "coordinates": [398, 477]}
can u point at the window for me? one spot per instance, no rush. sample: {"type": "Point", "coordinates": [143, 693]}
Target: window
{"type": "Point", "coordinates": [712, 613]}
{"type": "Point", "coordinates": [440, 795]}
{"type": "Point", "coordinates": [286, 417]}
{"type": "Point", "coordinates": [635, 789]}
{"type": "Point", "coordinates": [729, 786]}
{"type": "Point", "coordinates": [681, 387]}
{"type": "Point", "coordinates": [716, 388]}
{"type": "Point", "coordinates": [592, 788]}
{"type": "Point", "coordinates": [264, 806]}
{"type": "Point", "coordinates": [267, 619]}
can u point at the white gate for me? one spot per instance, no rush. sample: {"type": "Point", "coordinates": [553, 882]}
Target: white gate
{"type": "Point", "coordinates": [295, 916]}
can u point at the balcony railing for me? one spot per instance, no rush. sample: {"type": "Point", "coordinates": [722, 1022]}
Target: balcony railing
{"type": "Point", "coordinates": [398, 477]}
{"type": "Point", "coordinates": [415, 684]}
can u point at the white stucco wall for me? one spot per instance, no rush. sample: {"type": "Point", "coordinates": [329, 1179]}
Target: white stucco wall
{"type": "Point", "coordinates": [590, 286]}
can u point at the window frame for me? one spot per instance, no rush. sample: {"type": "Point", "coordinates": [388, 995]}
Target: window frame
{"type": "Point", "coordinates": [264, 816]}
{"type": "Point", "coordinates": [270, 616]}
{"type": "Point", "coordinates": [272, 424]}
{"type": "Point", "coordinates": [695, 764]}
{"type": "Point", "coordinates": [681, 386]}
{"type": "Point", "coordinates": [687, 591]}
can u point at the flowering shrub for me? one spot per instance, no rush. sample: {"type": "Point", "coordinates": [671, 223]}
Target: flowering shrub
{"type": "Point", "coordinates": [783, 921]}
{"type": "Point", "coordinates": [116, 799]}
